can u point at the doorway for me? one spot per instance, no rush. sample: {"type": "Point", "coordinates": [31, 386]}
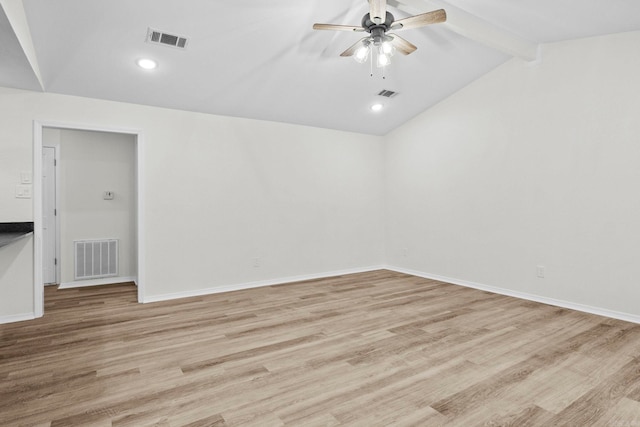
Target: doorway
{"type": "Point", "coordinates": [42, 243]}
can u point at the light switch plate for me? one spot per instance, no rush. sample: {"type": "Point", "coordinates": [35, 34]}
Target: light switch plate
{"type": "Point", "coordinates": [26, 178]}
{"type": "Point", "coordinates": [23, 191]}
{"type": "Point", "coordinates": [108, 195]}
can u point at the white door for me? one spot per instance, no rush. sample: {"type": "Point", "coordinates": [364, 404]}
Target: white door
{"type": "Point", "coordinates": [49, 234]}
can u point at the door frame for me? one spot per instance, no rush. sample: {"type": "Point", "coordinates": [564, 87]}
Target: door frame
{"type": "Point", "coordinates": [56, 147]}
{"type": "Point", "coordinates": [38, 285]}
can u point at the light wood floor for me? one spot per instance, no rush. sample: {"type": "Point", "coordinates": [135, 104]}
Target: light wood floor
{"type": "Point", "coordinates": [371, 349]}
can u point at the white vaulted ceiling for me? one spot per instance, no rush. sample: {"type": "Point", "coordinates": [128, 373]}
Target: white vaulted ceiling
{"type": "Point", "coordinates": [261, 59]}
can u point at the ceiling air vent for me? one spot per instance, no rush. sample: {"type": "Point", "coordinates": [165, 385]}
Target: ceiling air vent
{"type": "Point", "coordinates": [155, 36]}
{"type": "Point", "coordinates": [387, 93]}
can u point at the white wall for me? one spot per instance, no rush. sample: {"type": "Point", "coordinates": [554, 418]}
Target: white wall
{"type": "Point", "coordinates": [530, 165]}
{"type": "Point", "coordinates": [16, 280]}
{"type": "Point", "coordinates": [16, 259]}
{"type": "Point", "coordinates": [14, 145]}
{"type": "Point", "coordinates": [90, 163]}
{"type": "Point", "coordinates": [222, 191]}
{"type": "Point", "coordinates": [225, 192]}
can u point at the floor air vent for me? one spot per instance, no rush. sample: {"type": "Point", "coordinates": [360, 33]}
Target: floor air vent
{"type": "Point", "coordinates": [96, 258]}
{"type": "Point", "coordinates": [155, 36]}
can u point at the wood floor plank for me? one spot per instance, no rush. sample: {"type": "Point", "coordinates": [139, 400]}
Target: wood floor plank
{"type": "Point", "coordinates": [370, 349]}
{"type": "Point", "coordinates": [625, 413]}
{"type": "Point", "coordinates": [592, 406]}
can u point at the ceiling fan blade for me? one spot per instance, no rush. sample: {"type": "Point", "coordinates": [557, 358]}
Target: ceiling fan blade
{"type": "Point", "coordinates": [335, 27]}
{"type": "Point", "coordinates": [378, 11]}
{"type": "Point", "coordinates": [403, 46]}
{"type": "Point", "coordinates": [351, 50]}
{"type": "Point", "coordinates": [421, 20]}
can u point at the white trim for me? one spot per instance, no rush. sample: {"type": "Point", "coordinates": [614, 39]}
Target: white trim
{"type": "Point", "coordinates": [38, 285]}
{"type": "Point", "coordinates": [17, 318]}
{"type": "Point", "coordinates": [257, 284]}
{"type": "Point", "coordinates": [56, 156]}
{"type": "Point", "coordinates": [88, 127]}
{"type": "Point", "coordinates": [96, 282]}
{"type": "Point", "coordinates": [58, 226]}
{"type": "Point", "coordinates": [523, 295]}
{"type": "Point", "coordinates": [140, 230]}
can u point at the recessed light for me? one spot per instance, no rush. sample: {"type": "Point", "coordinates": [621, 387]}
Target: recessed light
{"type": "Point", "coordinates": [147, 64]}
{"type": "Point", "coordinates": [376, 107]}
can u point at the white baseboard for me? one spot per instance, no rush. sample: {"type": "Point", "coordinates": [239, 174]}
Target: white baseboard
{"type": "Point", "coordinates": [17, 318]}
{"type": "Point", "coordinates": [97, 282]}
{"type": "Point", "coordinates": [523, 295]}
{"type": "Point", "coordinates": [257, 284]}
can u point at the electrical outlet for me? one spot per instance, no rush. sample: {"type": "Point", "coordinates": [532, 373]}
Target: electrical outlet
{"type": "Point", "coordinates": [256, 262]}
{"type": "Point", "coordinates": [540, 271]}
{"type": "Point", "coordinates": [108, 195]}
{"type": "Point", "coordinates": [405, 252]}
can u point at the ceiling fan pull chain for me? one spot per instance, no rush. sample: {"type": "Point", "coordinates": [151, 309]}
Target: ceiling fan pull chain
{"type": "Point", "coordinates": [371, 63]}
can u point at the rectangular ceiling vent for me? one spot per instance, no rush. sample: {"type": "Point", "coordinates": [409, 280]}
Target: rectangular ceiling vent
{"type": "Point", "coordinates": [155, 36]}
{"type": "Point", "coordinates": [387, 93]}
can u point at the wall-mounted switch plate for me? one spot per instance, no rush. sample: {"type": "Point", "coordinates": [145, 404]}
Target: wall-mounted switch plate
{"type": "Point", "coordinates": [23, 191]}
{"type": "Point", "coordinates": [540, 271]}
{"type": "Point", "coordinates": [108, 195]}
{"type": "Point", "coordinates": [26, 178]}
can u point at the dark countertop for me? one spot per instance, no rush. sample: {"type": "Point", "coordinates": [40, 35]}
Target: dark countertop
{"type": "Point", "coordinates": [12, 231]}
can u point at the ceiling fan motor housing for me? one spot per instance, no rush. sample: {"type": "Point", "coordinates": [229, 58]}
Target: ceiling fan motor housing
{"type": "Point", "coordinates": [370, 26]}
{"type": "Point", "coordinates": [377, 31]}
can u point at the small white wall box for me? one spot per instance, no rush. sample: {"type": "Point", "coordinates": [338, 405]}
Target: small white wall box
{"type": "Point", "coordinates": [26, 178]}
{"type": "Point", "coordinates": [108, 195]}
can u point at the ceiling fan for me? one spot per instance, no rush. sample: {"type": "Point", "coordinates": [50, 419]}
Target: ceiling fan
{"type": "Point", "coordinates": [377, 23]}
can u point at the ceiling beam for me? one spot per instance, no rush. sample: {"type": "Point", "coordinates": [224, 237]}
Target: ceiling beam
{"type": "Point", "coordinates": [14, 10]}
{"type": "Point", "coordinates": [475, 28]}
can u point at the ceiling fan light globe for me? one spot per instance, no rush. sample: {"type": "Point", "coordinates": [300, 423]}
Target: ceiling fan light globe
{"type": "Point", "coordinates": [383, 60]}
{"type": "Point", "coordinates": [387, 48]}
{"type": "Point", "coordinates": [361, 54]}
